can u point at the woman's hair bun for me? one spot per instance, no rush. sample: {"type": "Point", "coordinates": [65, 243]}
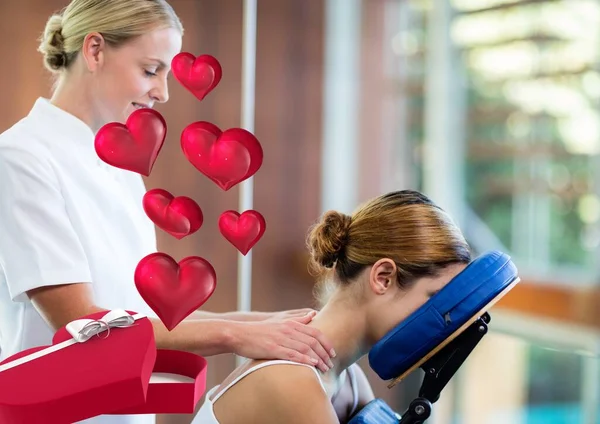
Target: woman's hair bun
{"type": "Point", "coordinates": [52, 45]}
{"type": "Point", "coordinates": [328, 238]}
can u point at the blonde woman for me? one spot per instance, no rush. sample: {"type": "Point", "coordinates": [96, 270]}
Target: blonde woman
{"type": "Point", "coordinates": [378, 265]}
{"type": "Point", "coordinates": [72, 228]}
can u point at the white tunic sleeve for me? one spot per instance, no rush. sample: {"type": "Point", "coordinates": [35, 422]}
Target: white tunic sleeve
{"type": "Point", "coordinates": [38, 245]}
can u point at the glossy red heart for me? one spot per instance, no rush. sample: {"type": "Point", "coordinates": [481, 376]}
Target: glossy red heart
{"type": "Point", "coordinates": [135, 145]}
{"type": "Point", "coordinates": [227, 158]}
{"type": "Point", "coordinates": [178, 216]}
{"type": "Point", "coordinates": [199, 75]}
{"type": "Point", "coordinates": [174, 290]}
{"type": "Point", "coordinates": [243, 231]}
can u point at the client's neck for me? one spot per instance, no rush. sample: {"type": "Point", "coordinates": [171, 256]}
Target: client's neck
{"type": "Point", "coordinates": [346, 328]}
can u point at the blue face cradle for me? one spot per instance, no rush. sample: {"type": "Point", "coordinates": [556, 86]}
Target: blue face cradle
{"type": "Point", "coordinates": [439, 336]}
{"type": "Point", "coordinates": [450, 311]}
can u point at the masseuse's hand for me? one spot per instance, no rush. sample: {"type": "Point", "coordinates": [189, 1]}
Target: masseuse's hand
{"type": "Point", "coordinates": [289, 339]}
{"type": "Point", "coordinates": [299, 315]}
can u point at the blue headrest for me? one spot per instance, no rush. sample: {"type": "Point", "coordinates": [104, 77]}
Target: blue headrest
{"type": "Point", "coordinates": [465, 296]}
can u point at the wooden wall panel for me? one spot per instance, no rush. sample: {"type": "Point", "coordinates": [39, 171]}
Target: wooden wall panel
{"type": "Point", "coordinates": [288, 121]}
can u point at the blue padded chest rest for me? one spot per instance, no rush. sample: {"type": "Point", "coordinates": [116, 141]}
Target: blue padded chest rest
{"type": "Point", "coordinates": [464, 298]}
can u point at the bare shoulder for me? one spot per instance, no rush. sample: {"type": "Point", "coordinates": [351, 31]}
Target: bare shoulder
{"type": "Point", "coordinates": [293, 394]}
{"type": "Point", "coordinates": [276, 394]}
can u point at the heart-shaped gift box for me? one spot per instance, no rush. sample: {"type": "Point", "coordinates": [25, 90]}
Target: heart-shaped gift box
{"type": "Point", "coordinates": [111, 370]}
{"type": "Point", "coordinates": [71, 381]}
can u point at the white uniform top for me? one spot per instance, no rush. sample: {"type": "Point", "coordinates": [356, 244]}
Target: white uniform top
{"type": "Point", "coordinates": [65, 216]}
{"type": "Point", "coordinates": [206, 414]}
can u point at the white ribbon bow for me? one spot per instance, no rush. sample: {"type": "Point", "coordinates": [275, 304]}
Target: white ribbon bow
{"type": "Point", "coordinates": [81, 331]}
{"type": "Point", "coordinates": [84, 329]}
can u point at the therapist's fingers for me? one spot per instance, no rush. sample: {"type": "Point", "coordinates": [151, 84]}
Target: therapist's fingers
{"type": "Point", "coordinates": [300, 315]}
{"type": "Point", "coordinates": [287, 339]}
{"type": "Point", "coordinates": [302, 347]}
{"type": "Point", "coordinates": [293, 354]}
{"type": "Point", "coordinates": [313, 339]}
{"type": "Point", "coordinates": [306, 316]}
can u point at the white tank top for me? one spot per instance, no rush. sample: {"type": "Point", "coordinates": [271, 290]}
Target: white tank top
{"type": "Point", "coordinates": [206, 413]}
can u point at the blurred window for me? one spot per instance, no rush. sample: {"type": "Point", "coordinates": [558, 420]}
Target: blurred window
{"type": "Point", "coordinates": [527, 87]}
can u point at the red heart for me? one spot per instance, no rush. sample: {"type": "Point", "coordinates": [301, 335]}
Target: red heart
{"type": "Point", "coordinates": [227, 158]}
{"type": "Point", "coordinates": [134, 146]}
{"type": "Point", "coordinates": [178, 216]}
{"type": "Point", "coordinates": [172, 290]}
{"type": "Point", "coordinates": [243, 231]}
{"type": "Point", "coordinates": [199, 75]}
{"type": "Point", "coordinates": [106, 373]}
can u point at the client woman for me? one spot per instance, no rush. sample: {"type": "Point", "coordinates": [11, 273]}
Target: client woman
{"type": "Point", "coordinates": [379, 265]}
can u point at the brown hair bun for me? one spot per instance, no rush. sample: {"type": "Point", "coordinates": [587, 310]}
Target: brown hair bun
{"type": "Point", "coordinates": [328, 238]}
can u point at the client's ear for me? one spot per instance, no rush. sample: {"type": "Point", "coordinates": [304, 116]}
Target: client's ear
{"type": "Point", "coordinates": [383, 276]}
